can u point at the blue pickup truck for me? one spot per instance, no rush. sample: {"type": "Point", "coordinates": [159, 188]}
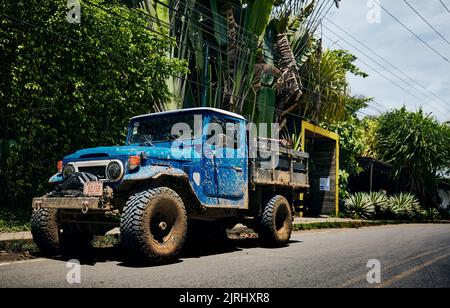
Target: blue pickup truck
{"type": "Point", "coordinates": [168, 178]}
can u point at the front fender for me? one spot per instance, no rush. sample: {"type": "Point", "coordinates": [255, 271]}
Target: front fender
{"type": "Point", "coordinates": [56, 179]}
{"type": "Point", "coordinates": [153, 172]}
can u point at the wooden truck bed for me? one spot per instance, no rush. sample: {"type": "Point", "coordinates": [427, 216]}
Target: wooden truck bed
{"type": "Point", "coordinates": [291, 170]}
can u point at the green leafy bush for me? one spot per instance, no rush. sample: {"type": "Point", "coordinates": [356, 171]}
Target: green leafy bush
{"type": "Point", "coordinates": [434, 214]}
{"type": "Point", "coordinates": [405, 206]}
{"type": "Point", "coordinates": [378, 200]}
{"type": "Point", "coordinates": [358, 206]}
{"type": "Point", "coordinates": [418, 147]}
{"type": "Point", "coordinates": [58, 95]}
{"type": "Point", "coordinates": [14, 220]}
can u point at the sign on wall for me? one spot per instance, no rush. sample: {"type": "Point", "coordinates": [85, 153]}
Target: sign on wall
{"type": "Point", "coordinates": [324, 184]}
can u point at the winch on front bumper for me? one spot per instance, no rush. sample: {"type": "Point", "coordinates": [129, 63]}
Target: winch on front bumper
{"type": "Point", "coordinates": [80, 191]}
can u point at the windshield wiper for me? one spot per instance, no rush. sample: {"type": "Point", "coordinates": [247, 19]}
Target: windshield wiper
{"type": "Point", "coordinates": [148, 141]}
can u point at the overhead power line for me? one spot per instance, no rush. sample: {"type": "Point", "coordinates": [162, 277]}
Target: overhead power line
{"type": "Point", "coordinates": [176, 76]}
{"type": "Point", "coordinates": [445, 6]}
{"type": "Point", "coordinates": [377, 71]}
{"type": "Point", "coordinates": [436, 98]}
{"type": "Point", "coordinates": [384, 76]}
{"type": "Point", "coordinates": [413, 33]}
{"type": "Point", "coordinates": [375, 104]}
{"type": "Point", "coordinates": [74, 40]}
{"type": "Point", "coordinates": [426, 21]}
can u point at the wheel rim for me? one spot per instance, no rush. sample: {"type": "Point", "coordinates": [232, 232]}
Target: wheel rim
{"type": "Point", "coordinates": [162, 222]}
{"type": "Point", "coordinates": [281, 219]}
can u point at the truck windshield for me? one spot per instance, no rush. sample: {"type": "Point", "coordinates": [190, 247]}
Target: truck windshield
{"type": "Point", "coordinates": [157, 129]}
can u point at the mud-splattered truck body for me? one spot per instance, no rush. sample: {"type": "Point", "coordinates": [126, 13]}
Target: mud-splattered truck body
{"type": "Point", "coordinates": [178, 171]}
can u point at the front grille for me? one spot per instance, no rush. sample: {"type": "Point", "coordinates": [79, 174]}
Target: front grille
{"type": "Point", "coordinates": [98, 171]}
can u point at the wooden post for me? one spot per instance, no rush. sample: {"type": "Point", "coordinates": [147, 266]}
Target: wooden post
{"type": "Point", "coordinates": [371, 176]}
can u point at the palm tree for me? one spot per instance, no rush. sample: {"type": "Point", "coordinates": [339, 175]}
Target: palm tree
{"type": "Point", "coordinates": [249, 58]}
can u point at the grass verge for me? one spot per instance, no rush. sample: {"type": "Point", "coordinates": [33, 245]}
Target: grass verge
{"type": "Point", "coordinates": [18, 246]}
{"type": "Point", "coordinates": [14, 220]}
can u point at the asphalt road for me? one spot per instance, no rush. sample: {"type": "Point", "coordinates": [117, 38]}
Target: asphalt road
{"type": "Point", "coordinates": [409, 256]}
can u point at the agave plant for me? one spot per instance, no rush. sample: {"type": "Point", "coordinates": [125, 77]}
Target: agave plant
{"type": "Point", "coordinates": [358, 206]}
{"type": "Point", "coordinates": [433, 214]}
{"type": "Point", "coordinates": [379, 201]}
{"type": "Point", "coordinates": [404, 205]}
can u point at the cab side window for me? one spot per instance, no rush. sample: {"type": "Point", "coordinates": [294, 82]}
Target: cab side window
{"type": "Point", "coordinates": [224, 130]}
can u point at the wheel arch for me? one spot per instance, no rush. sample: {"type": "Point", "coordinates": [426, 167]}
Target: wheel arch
{"type": "Point", "coordinates": [178, 183]}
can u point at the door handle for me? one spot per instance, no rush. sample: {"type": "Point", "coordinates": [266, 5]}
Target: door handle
{"type": "Point", "coordinates": [238, 169]}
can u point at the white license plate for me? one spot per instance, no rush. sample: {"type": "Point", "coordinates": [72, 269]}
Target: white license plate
{"type": "Point", "coordinates": [93, 189]}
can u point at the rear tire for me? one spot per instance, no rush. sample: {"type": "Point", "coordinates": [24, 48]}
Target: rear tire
{"type": "Point", "coordinates": [153, 225]}
{"type": "Point", "coordinates": [45, 231]}
{"type": "Point", "coordinates": [276, 222]}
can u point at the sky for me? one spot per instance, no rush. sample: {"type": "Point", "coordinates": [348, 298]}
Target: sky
{"type": "Point", "coordinates": [427, 84]}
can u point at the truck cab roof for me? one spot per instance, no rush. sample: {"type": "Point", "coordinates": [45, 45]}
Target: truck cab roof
{"type": "Point", "coordinates": [191, 110]}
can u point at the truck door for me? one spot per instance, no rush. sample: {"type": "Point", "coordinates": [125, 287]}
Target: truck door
{"type": "Point", "coordinates": [230, 161]}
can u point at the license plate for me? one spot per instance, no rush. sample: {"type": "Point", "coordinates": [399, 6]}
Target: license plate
{"type": "Point", "coordinates": [93, 189]}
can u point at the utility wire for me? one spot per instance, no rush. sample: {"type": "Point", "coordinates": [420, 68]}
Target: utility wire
{"type": "Point", "coordinates": [314, 29]}
{"type": "Point", "coordinates": [414, 34]}
{"type": "Point", "coordinates": [383, 75]}
{"type": "Point", "coordinates": [445, 6]}
{"type": "Point", "coordinates": [320, 20]}
{"type": "Point", "coordinates": [162, 34]}
{"type": "Point", "coordinates": [382, 66]}
{"type": "Point", "coordinates": [140, 63]}
{"type": "Point", "coordinates": [389, 63]}
{"type": "Point", "coordinates": [426, 21]}
{"type": "Point", "coordinates": [176, 76]}
{"type": "Point", "coordinates": [375, 106]}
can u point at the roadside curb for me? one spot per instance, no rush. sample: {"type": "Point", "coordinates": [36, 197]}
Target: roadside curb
{"type": "Point", "coordinates": [26, 235]}
{"type": "Point", "coordinates": [15, 236]}
{"type": "Point", "coordinates": [299, 224]}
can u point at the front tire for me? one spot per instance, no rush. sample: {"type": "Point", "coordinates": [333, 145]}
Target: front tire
{"type": "Point", "coordinates": [45, 231]}
{"type": "Point", "coordinates": [276, 222]}
{"type": "Point", "coordinates": [153, 225]}
{"type": "Point", "coordinates": [51, 240]}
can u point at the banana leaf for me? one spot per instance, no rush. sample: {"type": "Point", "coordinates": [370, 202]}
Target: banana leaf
{"type": "Point", "coordinates": [266, 105]}
{"type": "Point", "coordinates": [258, 16]}
{"type": "Point", "coordinates": [220, 24]}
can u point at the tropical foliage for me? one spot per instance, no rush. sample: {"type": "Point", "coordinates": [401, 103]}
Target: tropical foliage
{"type": "Point", "coordinates": [351, 145]}
{"type": "Point", "coordinates": [417, 147]}
{"type": "Point", "coordinates": [379, 201]}
{"type": "Point", "coordinates": [67, 86]}
{"type": "Point", "coordinates": [402, 206]}
{"type": "Point", "coordinates": [259, 58]}
{"type": "Point", "coordinates": [327, 96]}
{"type": "Point", "coordinates": [358, 206]}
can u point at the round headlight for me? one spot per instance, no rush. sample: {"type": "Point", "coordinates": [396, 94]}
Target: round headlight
{"type": "Point", "coordinates": [114, 171]}
{"type": "Point", "coordinates": [68, 170]}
